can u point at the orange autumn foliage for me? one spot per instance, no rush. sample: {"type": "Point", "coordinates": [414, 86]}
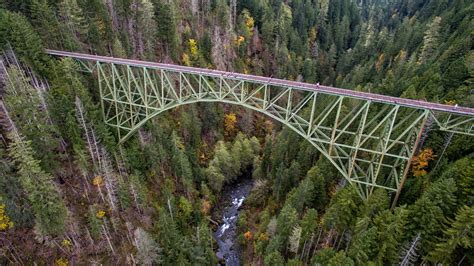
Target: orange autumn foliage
{"type": "Point", "coordinates": [421, 161]}
{"type": "Point", "coordinates": [248, 235]}
{"type": "Point", "coordinates": [205, 207]}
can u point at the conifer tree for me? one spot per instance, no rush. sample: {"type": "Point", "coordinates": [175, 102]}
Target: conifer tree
{"type": "Point", "coordinates": [46, 202]}
{"type": "Point", "coordinates": [458, 236]}
{"type": "Point", "coordinates": [31, 117]}
{"type": "Point", "coordinates": [46, 23]}
{"type": "Point", "coordinates": [180, 162]}
{"type": "Point", "coordinates": [148, 251]}
{"type": "Point", "coordinates": [166, 28]}
{"type": "Point", "coordinates": [390, 234]}
{"type": "Point", "coordinates": [430, 40]}
{"type": "Point", "coordinates": [427, 219]}
{"type": "Point", "coordinates": [343, 209]}
{"type": "Point", "coordinates": [461, 171]}
{"type": "Point", "coordinates": [16, 31]}
{"type": "Point", "coordinates": [274, 258]}
{"type": "Point", "coordinates": [146, 26]}
{"type": "Point", "coordinates": [72, 16]}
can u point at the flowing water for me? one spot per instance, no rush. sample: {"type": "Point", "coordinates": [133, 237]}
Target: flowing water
{"type": "Point", "coordinates": [226, 234]}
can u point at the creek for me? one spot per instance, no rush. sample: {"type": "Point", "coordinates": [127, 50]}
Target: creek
{"type": "Point", "coordinates": [232, 199]}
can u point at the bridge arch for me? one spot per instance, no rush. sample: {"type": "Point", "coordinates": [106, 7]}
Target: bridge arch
{"type": "Point", "coordinates": [299, 132]}
{"type": "Point", "coordinates": [369, 138]}
{"type": "Point", "coordinates": [368, 142]}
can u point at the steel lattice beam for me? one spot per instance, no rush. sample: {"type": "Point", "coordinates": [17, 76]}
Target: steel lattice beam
{"type": "Point", "coordinates": [369, 141]}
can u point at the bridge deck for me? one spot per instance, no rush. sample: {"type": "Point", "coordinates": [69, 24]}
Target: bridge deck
{"type": "Point", "coordinates": [274, 81]}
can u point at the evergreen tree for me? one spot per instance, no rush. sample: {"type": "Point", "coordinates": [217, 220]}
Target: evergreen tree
{"type": "Point", "coordinates": [274, 258]}
{"type": "Point", "coordinates": [166, 28]}
{"type": "Point", "coordinates": [343, 209]}
{"type": "Point", "coordinates": [16, 31]}
{"type": "Point", "coordinates": [390, 227]}
{"type": "Point", "coordinates": [46, 23]}
{"type": "Point", "coordinates": [180, 162]}
{"type": "Point", "coordinates": [148, 251]}
{"type": "Point", "coordinates": [459, 236]}
{"type": "Point", "coordinates": [309, 222]}
{"type": "Point", "coordinates": [27, 106]}
{"type": "Point", "coordinates": [461, 171]}
{"type": "Point", "coordinates": [340, 258]}
{"type": "Point", "coordinates": [72, 16]}
{"type": "Point", "coordinates": [285, 223]}
{"type": "Point", "coordinates": [430, 40]}
{"type": "Point", "coordinates": [46, 202]}
{"type": "Point", "coordinates": [323, 256]}
{"type": "Point", "coordinates": [427, 219]}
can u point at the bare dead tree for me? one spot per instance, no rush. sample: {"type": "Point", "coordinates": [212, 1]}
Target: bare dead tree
{"type": "Point", "coordinates": [110, 179]}
{"type": "Point", "coordinates": [91, 141]}
{"type": "Point", "coordinates": [409, 255]}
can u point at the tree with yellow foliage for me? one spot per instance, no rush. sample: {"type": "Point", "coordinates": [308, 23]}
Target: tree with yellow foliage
{"type": "Point", "coordinates": [5, 221]}
{"type": "Point", "coordinates": [193, 47]}
{"type": "Point", "coordinates": [421, 161]}
{"type": "Point", "coordinates": [230, 125]}
{"type": "Point", "coordinates": [239, 40]}
{"type": "Point", "coordinates": [193, 57]}
{"type": "Point", "coordinates": [61, 262]}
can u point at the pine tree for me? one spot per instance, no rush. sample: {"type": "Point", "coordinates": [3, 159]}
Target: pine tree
{"type": "Point", "coordinates": [166, 28]}
{"type": "Point", "coordinates": [16, 31]}
{"type": "Point", "coordinates": [426, 219]}
{"type": "Point", "coordinates": [340, 258]}
{"type": "Point", "coordinates": [274, 258]}
{"type": "Point", "coordinates": [458, 236]}
{"type": "Point", "coordinates": [323, 256]}
{"type": "Point", "coordinates": [390, 234]}
{"type": "Point", "coordinates": [461, 171]}
{"type": "Point", "coordinates": [300, 196]}
{"type": "Point", "coordinates": [73, 18]}
{"type": "Point", "coordinates": [148, 251]}
{"type": "Point", "coordinates": [343, 209]}
{"type": "Point", "coordinates": [145, 29]}
{"type": "Point", "coordinates": [43, 195]}
{"type": "Point", "coordinates": [31, 117]}
{"type": "Point", "coordinates": [309, 222]}
{"type": "Point", "coordinates": [266, 156]}
{"type": "Point", "coordinates": [376, 203]}
{"type": "Point", "coordinates": [46, 23]}
{"type": "Point", "coordinates": [430, 40]}
{"type": "Point", "coordinates": [180, 162]}
{"type": "Point", "coordinates": [285, 223]}
{"type": "Point", "coordinates": [364, 245]}
{"type": "Point", "coordinates": [318, 197]}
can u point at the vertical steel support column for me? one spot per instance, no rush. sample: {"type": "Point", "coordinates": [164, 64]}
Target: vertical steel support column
{"type": "Point", "coordinates": [407, 167]}
{"type": "Point", "coordinates": [101, 92]}
{"type": "Point", "coordinates": [311, 115]}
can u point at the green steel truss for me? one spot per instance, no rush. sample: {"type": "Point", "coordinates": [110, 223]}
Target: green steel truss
{"type": "Point", "coordinates": [370, 143]}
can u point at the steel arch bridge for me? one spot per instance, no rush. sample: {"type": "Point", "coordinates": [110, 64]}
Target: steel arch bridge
{"type": "Point", "coordinates": [369, 138]}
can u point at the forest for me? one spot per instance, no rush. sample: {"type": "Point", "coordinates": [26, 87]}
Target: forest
{"type": "Point", "coordinates": [70, 194]}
